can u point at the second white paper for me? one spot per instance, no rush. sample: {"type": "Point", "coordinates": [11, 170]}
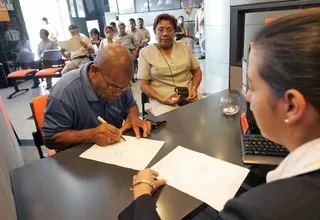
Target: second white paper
{"type": "Point", "coordinates": [208, 179]}
{"type": "Point", "coordinates": [133, 153]}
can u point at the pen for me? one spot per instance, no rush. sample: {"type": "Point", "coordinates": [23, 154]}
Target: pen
{"type": "Point", "coordinates": [103, 121]}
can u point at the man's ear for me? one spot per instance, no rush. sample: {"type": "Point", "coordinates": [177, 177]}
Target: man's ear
{"type": "Point", "coordinates": [295, 105]}
{"type": "Point", "coordinates": [93, 71]}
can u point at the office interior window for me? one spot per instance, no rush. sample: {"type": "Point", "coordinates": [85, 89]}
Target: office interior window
{"type": "Point", "coordinates": [193, 3]}
{"type": "Point", "coordinates": [106, 6]}
{"type": "Point", "coordinates": [80, 9]}
{"type": "Point", "coordinates": [113, 6]}
{"type": "Point", "coordinates": [142, 5]}
{"type": "Point", "coordinates": [90, 6]}
{"type": "Point", "coordinates": [126, 6]}
{"type": "Point", "coordinates": [159, 5]}
{"type": "Point", "coordinates": [72, 9]}
{"type": "Point", "coordinates": [92, 24]}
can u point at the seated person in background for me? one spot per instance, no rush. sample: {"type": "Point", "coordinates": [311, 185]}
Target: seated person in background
{"type": "Point", "coordinates": [25, 58]}
{"type": "Point", "coordinates": [144, 31]}
{"type": "Point", "coordinates": [110, 39]}
{"type": "Point", "coordinates": [44, 45]}
{"type": "Point", "coordinates": [81, 56]}
{"type": "Point", "coordinates": [284, 82]}
{"type": "Point", "coordinates": [115, 29]}
{"type": "Point", "coordinates": [95, 37]}
{"type": "Point", "coordinates": [166, 65]}
{"type": "Point", "coordinates": [135, 32]}
{"type": "Point", "coordinates": [181, 32]}
{"type": "Point", "coordinates": [130, 43]}
{"type": "Point", "coordinates": [96, 89]}
{"type": "Point", "coordinates": [183, 35]}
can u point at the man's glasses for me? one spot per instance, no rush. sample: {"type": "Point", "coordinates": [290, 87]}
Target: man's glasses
{"type": "Point", "coordinates": [113, 88]}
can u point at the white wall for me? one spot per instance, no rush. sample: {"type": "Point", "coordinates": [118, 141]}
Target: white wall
{"type": "Point", "coordinates": [217, 35]}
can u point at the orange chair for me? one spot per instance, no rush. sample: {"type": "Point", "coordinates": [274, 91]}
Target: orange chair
{"type": "Point", "coordinates": [269, 20]}
{"type": "Point", "coordinates": [52, 64]}
{"type": "Point", "coordinates": [20, 74]}
{"type": "Point", "coordinates": [38, 105]}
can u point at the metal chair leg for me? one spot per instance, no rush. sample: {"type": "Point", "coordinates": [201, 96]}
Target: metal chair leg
{"type": "Point", "coordinates": [16, 88]}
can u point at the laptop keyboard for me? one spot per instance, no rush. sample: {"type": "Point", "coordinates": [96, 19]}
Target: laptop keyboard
{"type": "Point", "coordinates": [257, 145]}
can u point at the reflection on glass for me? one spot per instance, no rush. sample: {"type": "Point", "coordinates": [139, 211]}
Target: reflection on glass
{"type": "Point", "coordinates": [142, 5]}
{"type": "Point", "coordinates": [81, 13]}
{"type": "Point", "coordinates": [159, 5]}
{"type": "Point", "coordinates": [192, 3]}
{"type": "Point", "coordinates": [72, 10]}
{"type": "Point", "coordinates": [126, 6]}
{"type": "Point", "coordinates": [113, 6]}
{"type": "Point", "coordinates": [92, 24]}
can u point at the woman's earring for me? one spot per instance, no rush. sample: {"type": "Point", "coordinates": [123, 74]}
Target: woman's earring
{"type": "Point", "coordinates": [286, 121]}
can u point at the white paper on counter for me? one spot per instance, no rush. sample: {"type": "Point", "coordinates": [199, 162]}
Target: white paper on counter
{"type": "Point", "coordinates": [133, 153]}
{"type": "Point", "coordinates": [208, 179]}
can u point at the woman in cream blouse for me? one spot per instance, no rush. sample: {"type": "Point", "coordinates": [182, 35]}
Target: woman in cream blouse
{"type": "Point", "coordinates": [166, 65]}
{"type": "Point", "coordinates": [110, 39]}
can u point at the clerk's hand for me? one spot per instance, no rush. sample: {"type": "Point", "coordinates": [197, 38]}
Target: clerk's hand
{"type": "Point", "coordinates": [171, 100]}
{"type": "Point", "coordinates": [105, 134]}
{"type": "Point", "coordinates": [136, 123]}
{"type": "Point", "coordinates": [143, 188]}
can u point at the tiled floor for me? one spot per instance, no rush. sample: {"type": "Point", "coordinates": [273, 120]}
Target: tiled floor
{"type": "Point", "coordinates": [19, 110]}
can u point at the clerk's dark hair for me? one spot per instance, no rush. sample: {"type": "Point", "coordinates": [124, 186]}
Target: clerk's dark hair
{"type": "Point", "coordinates": [165, 17]}
{"type": "Point", "coordinates": [290, 48]}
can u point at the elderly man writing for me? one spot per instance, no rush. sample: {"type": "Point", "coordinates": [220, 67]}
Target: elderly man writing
{"type": "Point", "coordinates": [97, 89]}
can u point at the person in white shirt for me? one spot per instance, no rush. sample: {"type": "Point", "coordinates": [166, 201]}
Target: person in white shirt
{"type": "Point", "coordinates": [199, 29]}
{"type": "Point", "coordinates": [53, 33]}
{"type": "Point", "coordinates": [135, 32]}
{"type": "Point", "coordinates": [81, 56]}
{"type": "Point", "coordinates": [110, 38]}
{"type": "Point", "coordinates": [144, 31]}
{"type": "Point", "coordinates": [44, 45]}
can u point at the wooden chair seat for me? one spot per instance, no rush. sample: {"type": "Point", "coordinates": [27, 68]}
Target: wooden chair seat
{"type": "Point", "coordinates": [48, 72]}
{"type": "Point", "coordinates": [21, 73]}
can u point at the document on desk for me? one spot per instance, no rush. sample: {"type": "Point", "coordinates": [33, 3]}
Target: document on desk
{"type": "Point", "coordinates": [133, 153]}
{"type": "Point", "coordinates": [208, 179]}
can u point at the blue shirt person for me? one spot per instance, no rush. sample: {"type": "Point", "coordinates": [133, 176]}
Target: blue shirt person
{"type": "Point", "coordinates": [96, 89]}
